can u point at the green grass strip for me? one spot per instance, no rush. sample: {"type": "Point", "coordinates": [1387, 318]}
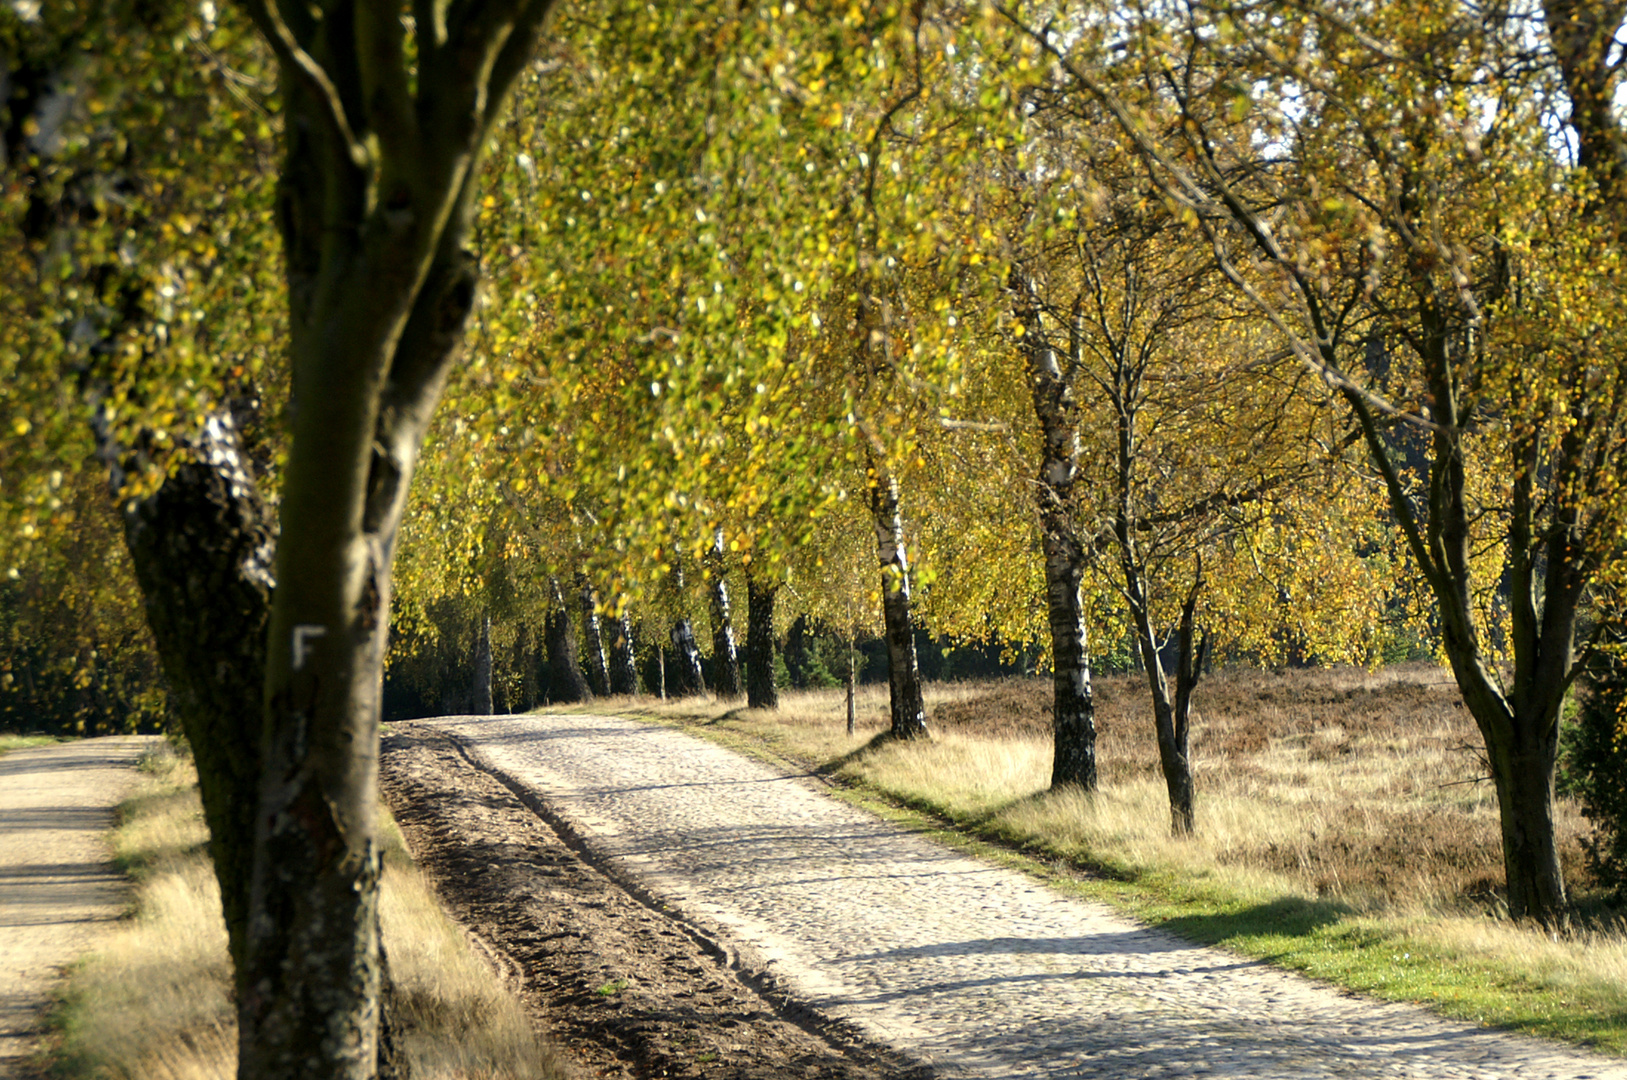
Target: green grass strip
{"type": "Point", "coordinates": [1383, 956]}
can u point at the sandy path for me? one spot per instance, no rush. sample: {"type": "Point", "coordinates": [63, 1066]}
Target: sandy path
{"type": "Point", "coordinates": [58, 889]}
{"type": "Point", "coordinates": [978, 970]}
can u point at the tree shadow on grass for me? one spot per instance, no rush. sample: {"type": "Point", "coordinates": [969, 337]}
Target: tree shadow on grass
{"type": "Point", "coordinates": [1287, 916]}
{"type": "Point", "coordinates": [858, 753]}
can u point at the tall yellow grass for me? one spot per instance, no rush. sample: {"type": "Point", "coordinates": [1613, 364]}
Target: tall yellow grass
{"type": "Point", "coordinates": [1364, 791]}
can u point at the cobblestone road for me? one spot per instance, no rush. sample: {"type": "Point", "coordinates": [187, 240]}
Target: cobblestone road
{"type": "Point", "coordinates": [976, 969]}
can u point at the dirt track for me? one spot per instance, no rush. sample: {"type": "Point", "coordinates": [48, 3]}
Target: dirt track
{"type": "Point", "coordinates": [624, 990]}
{"type": "Point", "coordinates": [855, 926]}
{"type": "Point", "coordinates": [57, 886]}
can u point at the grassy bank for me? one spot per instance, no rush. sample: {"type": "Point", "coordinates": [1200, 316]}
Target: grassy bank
{"type": "Point", "coordinates": [1344, 827]}
{"type": "Point", "coordinates": [154, 1002]}
{"type": "Point", "coordinates": [9, 742]}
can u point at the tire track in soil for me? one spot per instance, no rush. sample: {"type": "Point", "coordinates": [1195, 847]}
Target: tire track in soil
{"type": "Point", "coordinates": [624, 988]}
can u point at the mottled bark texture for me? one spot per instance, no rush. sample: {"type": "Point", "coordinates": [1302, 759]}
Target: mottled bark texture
{"type": "Point", "coordinates": [623, 659]}
{"type": "Point", "coordinates": [688, 676]}
{"type": "Point", "coordinates": [761, 692]}
{"type": "Point", "coordinates": [725, 659]}
{"type": "Point", "coordinates": [598, 668]}
{"type": "Point", "coordinates": [1073, 710]}
{"type": "Point", "coordinates": [903, 667]}
{"type": "Point", "coordinates": [203, 547]}
{"type": "Point", "coordinates": [480, 693]}
{"type": "Point", "coordinates": [565, 680]}
{"type": "Point", "coordinates": [383, 137]}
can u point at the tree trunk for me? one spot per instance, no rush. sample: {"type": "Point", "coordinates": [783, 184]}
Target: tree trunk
{"type": "Point", "coordinates": [1525, 797]}
{"type": "Point", "coordinates": [1073, 710]}
{"type": "Point", "coordinates": [566, 683]}
{"type": "Point", "coordinates": [598, 671]}
{"type": "Point", "coordinates": [796, 651]}
{"type": "Point", "coordinates": [725, 660]}
{"type": "Point", "coordinates": [1547, 570]}
{"type": "Point", "coordinates": [691, 679]}
{"type": "Point", "coordinates": [1171, 713]}
{"type": "Point", "coordinates": [661, 670]}
{"type": "Point", "coordinates": [852, 685]}
{"type": "Point", "coordinates": [481, 695]}
{"type": "Point", "coordinates": [1171, 727]}
{"type": "Point", "coordinates": [375, 204]}
{"type": "Point", "coordinates": [686, 654]}
{"type": "Point", "coordinates": [203, 548]}
{"type": "Point", "coordinates": [761, 692]}
{"type": "Point", "coordinates": [624, 664]}
{"type": "Point", "coordinates": [525, 662]}
{"type": "Point", "coordinates": [903, 669]}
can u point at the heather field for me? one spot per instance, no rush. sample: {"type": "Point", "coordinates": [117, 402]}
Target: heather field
{"type": "Point", "coordinates": [1368, 787]}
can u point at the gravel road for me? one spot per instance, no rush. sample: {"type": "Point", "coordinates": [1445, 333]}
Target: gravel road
{"type": "Point", "coordinates": [58, 889]}
{"type": "Point", "coordinates": [976, 970]}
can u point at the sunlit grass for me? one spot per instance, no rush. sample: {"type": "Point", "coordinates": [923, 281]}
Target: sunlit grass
{"type": "Point", "coordinates": [1344, 828]}
{"type": "Point", "coordinates": [10, 742]}
{"type": "Point", "coordinates": [154, 1002]}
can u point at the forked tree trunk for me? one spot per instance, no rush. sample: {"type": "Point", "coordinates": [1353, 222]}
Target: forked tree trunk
{"type": "Point", "coordinates": [623, 662]}
{"type": "Point", "coordinates": [725, 660]}
{"type": "Point", "coordinates": [565, 681]}
{"type": "Point", "coordinates": [1172, 711]}
{"type": "Point", "coordinates": [1073, 710]}
{"type": "Point", "coordinates": [375, 204]}
{"type": "Point", "coordinates": [481, 703]}
{"type": "Point", "coordinates": [903, 667]}
{"type": "Point", "coordinates": [598, 669]}
{"type": "Point", "coordinates": [761, 692]}
{"type": "Point", "coordinates": [1548, 568]}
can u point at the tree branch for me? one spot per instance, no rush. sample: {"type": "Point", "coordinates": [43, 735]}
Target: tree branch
{"type": "Point", "coordinates": [292, 55]}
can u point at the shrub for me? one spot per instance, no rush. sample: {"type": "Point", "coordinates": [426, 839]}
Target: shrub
{"type": "Point", "coordinates": [1596, 769]}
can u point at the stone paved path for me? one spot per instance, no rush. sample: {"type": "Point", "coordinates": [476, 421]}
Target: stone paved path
{"type": "Point", "coordinates": [977, 969]}
{"type": "Point", "coordinates": [57, 886]}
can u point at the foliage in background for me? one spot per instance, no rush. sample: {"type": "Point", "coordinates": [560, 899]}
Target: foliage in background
{"type": "Point", "coordinates": [1596, 768]}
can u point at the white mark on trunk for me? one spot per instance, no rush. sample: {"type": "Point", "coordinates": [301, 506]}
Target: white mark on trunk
{"type": "Point", "coordinates": [303, 634]}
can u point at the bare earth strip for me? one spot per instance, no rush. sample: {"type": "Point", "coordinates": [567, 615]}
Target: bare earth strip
{"type": "Point", "coordinates": [58, 889]}
{"type": "Point", "coordinates": [975, 969]}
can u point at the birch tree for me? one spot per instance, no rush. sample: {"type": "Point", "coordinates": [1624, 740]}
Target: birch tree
{"type": "Point", "coordinates": [1381, 186]}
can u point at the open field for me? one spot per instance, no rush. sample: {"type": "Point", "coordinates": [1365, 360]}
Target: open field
{"type": "Point", "coordinates": [155, 1002]}
{"type": "Point", "coordinates": [1343, 827]}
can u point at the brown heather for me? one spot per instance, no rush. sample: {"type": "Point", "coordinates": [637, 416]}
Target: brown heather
{"type": "Point", "coordinates": [1372, 783]}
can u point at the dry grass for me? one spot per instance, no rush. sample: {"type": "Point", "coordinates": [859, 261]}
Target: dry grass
{"type": "Point", "coordinates": [1362, 787]}
{"type": "Point", "coordinates": [154, 1002]}
{"type": "Point", "coordinates": [1344, 825]}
